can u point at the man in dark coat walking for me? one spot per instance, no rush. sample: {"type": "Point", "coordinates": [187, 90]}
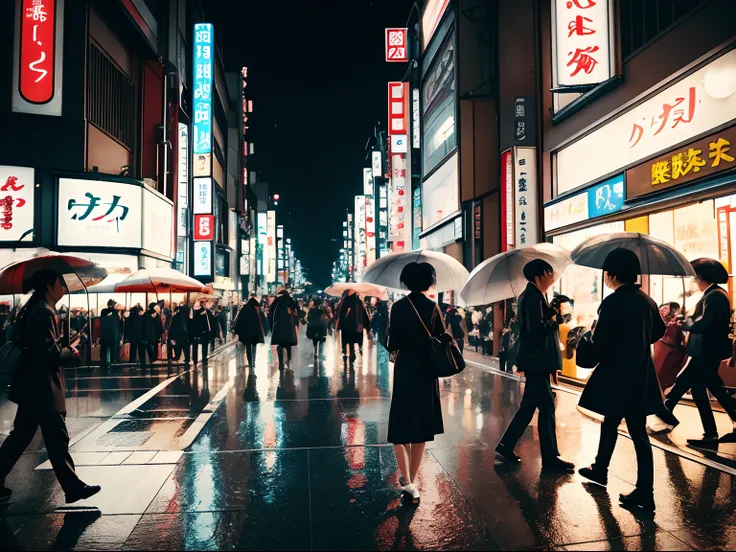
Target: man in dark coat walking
{"type": "Point", "coordinates": [39, 387]}
{"type": "Point", "coordinates": [200, 331]}
{"type": "Point", "coordinates": [153, 329]}
{"type": "Point", "coordinates": [249, 326]}
{"type": "Point", "coordinates": [624, 385]}
{"type": "Point", "coordinates": [179, 334]}
{"type": "Point", "coordinates": [111, 329]}
{"type": "Point", "coordinates": [539, 358]}
{"type": "Point", "coordinates": [283, 319]}
{"type": "Point", "coordinates": [134, 335]}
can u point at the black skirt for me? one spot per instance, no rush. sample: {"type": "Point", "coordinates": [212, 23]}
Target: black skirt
{"type": "Point", "coordinates": [416, 411]}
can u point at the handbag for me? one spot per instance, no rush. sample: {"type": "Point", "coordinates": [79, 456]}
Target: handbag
{"type": "Point", "coordinates": [586, 356]}
{"type": "Point", "coordinates": [445, 358]}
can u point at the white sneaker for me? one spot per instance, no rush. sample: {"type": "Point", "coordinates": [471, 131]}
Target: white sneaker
{"type": "Point", "coordinates": [412, 491]}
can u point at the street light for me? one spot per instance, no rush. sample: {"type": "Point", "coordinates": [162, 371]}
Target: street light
{"type": "Point", "coordinates": [276, 198]}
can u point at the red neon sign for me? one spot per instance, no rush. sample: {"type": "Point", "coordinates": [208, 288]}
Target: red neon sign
{"type": "Point", "coordinates": [204, 227]}
{"type": "Point", "coordinates": [396, 45]}
{"type": "Point", "coordinates": [398, 94]}
{"type": "Point", "coordinates": [37, 50]}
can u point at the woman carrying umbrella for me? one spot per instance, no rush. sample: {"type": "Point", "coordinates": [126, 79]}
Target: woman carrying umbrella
{"type": "Point", "coordinates": [624, 384]}
{"type": "Point", "coordinates": [283, 318]}
{"type": "Point", "coordinates": [352, 320]}
{"type": "Point", "coordinates": [249, 327]}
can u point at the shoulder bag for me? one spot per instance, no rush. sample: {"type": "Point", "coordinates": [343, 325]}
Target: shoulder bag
{"type": "Point", "coordinates": [445, 358]}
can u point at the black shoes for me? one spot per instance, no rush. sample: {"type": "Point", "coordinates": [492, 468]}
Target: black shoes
{"type": "Point", "coordinates": [5, 493]}
{"type": "Point", "coordinates": [638, 498]}
{"type": "Point", "coordinates": [595, 475]}
{"type": "Point", "coordinates": [669, 419]}
{"type": "Point", "coordinates": [507, 454]}
{"type": "Point", "coordinates": [558, 466]}
{"type": "Point", "coordinates": [706, 442]}
{"type": "Point", "coordinates": [83, 493]}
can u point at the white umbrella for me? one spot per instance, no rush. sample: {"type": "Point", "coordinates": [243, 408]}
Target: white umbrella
{"type": "Point", "coordinates": [501, 277]}
{"type": "Point", "coordinates": [156, 280]}
{"type": "Point", "coordinates": [363, 288]}
{"type": "Point", "coordinates": [451, 274]}
{"type": "Point", "coordinates": [655, 256]}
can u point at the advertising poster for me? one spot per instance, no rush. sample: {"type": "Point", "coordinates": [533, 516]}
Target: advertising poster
{"type": "Point", "coordinates": [397, 210]}
{"type": "Point", "coordinates": [360, 237]}
{"type": "Point", "coordinates": [17, 194]}
{"type": "Point", "coordinates": [203, 259]}
{"type": "Point", "coordinates": [525, 194]}
{"type": "Point", "coordinates": [271, 247]}
{"type": "Point", "coordinates": [370, 229]}
{"type": "Point", "coordinates": [417, 223]}
{"type": "Point", "coordinates": [204, 50]}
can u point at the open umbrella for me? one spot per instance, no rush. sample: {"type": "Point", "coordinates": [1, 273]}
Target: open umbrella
{"type": "Point", "coordinates": [501, 277]}
{"type": "Point", "coordinates": [655, 256]}
{"type": "Point", "coordinates": [155, 280]}
{"type": "Point", "coordinates": [451, 274]}
{"type": "Point", "coordinates": [78, 272]}
{"type": "Point", "coordinates": [363, 288]}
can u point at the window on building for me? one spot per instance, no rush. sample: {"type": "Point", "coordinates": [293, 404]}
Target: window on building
{"type": "Point", "coordinates": [644, 20]}
{"type": "Point", "coordinates": [110, 98]}
{"type": "Point", "coordinates": [438, 92]}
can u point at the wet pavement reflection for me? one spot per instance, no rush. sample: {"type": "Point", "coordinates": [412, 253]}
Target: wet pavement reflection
{"type": "Point", "coordinates": [229, 457]}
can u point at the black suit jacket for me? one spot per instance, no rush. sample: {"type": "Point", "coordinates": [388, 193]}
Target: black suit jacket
{"type": "Point", "coordinates": [709, 333]}
{"type": "Point", "coordinates": [539, 336]}
{"type": "Point", "coordinates": [39, 383]}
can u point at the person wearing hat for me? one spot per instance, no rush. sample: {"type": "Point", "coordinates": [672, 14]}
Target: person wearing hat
{"type": "Point", "coordinates": [539, 358]}
{"type": "Point", "coordinates": [38, 388]}
{"type": "Point", "coordinates": [708, 344]}
{"type": "Point", "coordinates": [624, 384]}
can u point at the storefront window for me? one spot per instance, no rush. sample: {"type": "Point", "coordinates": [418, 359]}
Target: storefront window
{"type": "Point", "coordinates": [438, 95]}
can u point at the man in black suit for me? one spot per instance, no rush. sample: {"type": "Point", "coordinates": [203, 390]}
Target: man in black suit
{"type": "Point", "coordinates": [539, 358]}
{"type": "Point", "coordinates": [38, 388]}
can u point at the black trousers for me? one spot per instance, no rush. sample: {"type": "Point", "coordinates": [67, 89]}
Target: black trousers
{"type": "Point", "coordinates": [138, 351]}
{"type": "Point", "coordinates": [113, 349]}
{"type": "Point", "coordinates": [196, 342]}
{"type": "Point", "coordinates": [280, 352]}
{"type": "Point", "coordinates": [637, 426]}
{"type": "Point", "coordinates": [537, 396]}
{"type": "Point", "coordinates": [152, 352]}
{"type": "Point", "coordinates": [701, 376]}
{"type": "Point", "coordinates": [502, 364]}
{"type": "Point", "coordinates": [250, 354]}
{"type": "Point", "coordinates": [177, 348]}
{"type": "Point", "coordinates": [55, 437]}
{"type": "Point", "coordinates": [460, 343]}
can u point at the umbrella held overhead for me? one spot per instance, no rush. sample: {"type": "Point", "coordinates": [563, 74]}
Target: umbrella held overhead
{"type": "Point", "coordinates": [451, 274]}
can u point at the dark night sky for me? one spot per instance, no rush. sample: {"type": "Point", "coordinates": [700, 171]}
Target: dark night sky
{"type": "Point", "coordinates": [317, 78]}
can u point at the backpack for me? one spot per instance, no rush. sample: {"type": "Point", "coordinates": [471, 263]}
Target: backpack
{"type": "Point", "coordinates": [10, 353]}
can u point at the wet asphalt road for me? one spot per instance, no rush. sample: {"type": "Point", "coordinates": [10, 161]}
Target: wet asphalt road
{"type": "Point", "coordinates": [232, 458]}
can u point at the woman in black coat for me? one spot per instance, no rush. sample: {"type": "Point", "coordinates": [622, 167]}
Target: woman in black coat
{"type": "Point", "coordinates": [283, 318]}
{"type": "Point", "coordinates": [624, 384]}
{"type": "Point", "coordinates": [179, 334]}
{"type": "Point", "coordinates": [249, 327]}
{"type": "Point", "coordinates": [352, 321]}
{"type": "Point", "coordinates": [200, 331]}
{"type": "Point", "coordinates": [317, 322]}
{"type": "Point", "coordinates": [416, 412]}
{"type": "Point", "coordinates": [153, 329]}
{"type": "Point", "coordinates": [708, 344]}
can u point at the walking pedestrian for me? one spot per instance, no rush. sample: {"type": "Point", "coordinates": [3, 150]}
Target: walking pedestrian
{"type": "Point", "coordinates": [249, 326]}
{"type": "Point", "coordinates": [624, 385]}
{"type": "Point", "coordinates": [317, 322]}
{"type": "Point", "coordinates": [456, 322]}
{"type": "Point", "coordinates": [670, 354]}
{"type": "Point", "coordinates": [708, 344]}
{"type": "Point", "coordinates": [283, 318]}
{"type": "Point", "coordinates": [416, 412]}
{"type": "Point", "coordinates": [379, 322]}
{"type": "Point", "coordinates": [200, 331]}
{"type": "Point", "coordinates": [539, 358]}
{"type": "Point", "coordinates": [352, 321]}
{"type": "Point", "coordinates": [111, 328]}
{"type": "Point", "coordinates": [134, 335]}
{"type": "Point", "coordinates": [38, 388]}
{"type": "Point", "coordinates": [152, 331]}
{"type": "Point", "coordinates": [179, 334]}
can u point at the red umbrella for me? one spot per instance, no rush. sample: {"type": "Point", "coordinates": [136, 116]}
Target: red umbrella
{"type": "Point", "coordinates": [155, 280]}
{"type": "Point", "coordinates": [78, 272]}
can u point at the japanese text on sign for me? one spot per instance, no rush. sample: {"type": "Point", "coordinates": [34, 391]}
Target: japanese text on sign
{"type": "Point", "coordinates": [681, 110]}
{"type": "Point", "coordinates": [16, 203]}
{"type": "Point", "coordinates": [396, 45]}
{"type": "Point", "coordinates": [202, 93]}
{"type": "Point", "coordinates": [525, 196]}
{"type": "Point", "coordinates": [583, 41]}
{"type": "Point", "coordinates": [37, 50]}
{"type": "Point", "coordinates": [692, 159]}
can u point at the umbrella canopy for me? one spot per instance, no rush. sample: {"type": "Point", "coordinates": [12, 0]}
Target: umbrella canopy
{"type": "Point", "coordinates": [363, 288]}
{"type": "Point", "coordinates": [501, 277]}
{"type": "Point", "coordinates": [451, 275]}
{"type": "Point", "coordinates": [155, 280]}
{"type": "Point", "coordinates": [655, 256]}
{"type": "Point", "coordinates": [78, 272]}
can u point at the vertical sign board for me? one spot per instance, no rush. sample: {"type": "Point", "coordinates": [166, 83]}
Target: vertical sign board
{"type": "Point", "coordinates": [582, 41]}
{"type": "Point", "coordinates": [417, 217]}
{"type": "Point", "coordinates": [507, 201]}
{"type": "Point", "coordinates": [203, 258]}
{"type": "Point", "coordinates": [361, 241]}
{"type": "Point", "coordinates": [17, 195]}
{"type": "Point", "coordinates": [183, 187]}
{"type": "Point", "coordinates": [416, 128]}
{"type": "Point", "coordinates": [398, 93]}
{"type": "Point", "coordinates": [351, 244]}
{"type": "Point", "coordinates": [383, 221]}
{"type": "Point", "coordinates": [431, 17]}
{"type": "Point", "coordinates": [271, 246]}
{"type": "Point", "coordinates": [204, 50]}
{"type": "Point", "coordinates": [368, 182]}
{"type": "Point", "coordinates": [525, 196]}
{"type": "Point", "coordinates": [370, 228]}
{"type": "Point", "coordinates": [397, 46]}
{"type": "Point", "coordinates": [261, 249]}
{"type": "Point", "coordinates": [376, 164]}
{"type": "Point", "coordinates": [397, 201]}
{"type": "Point", "coordinates": [38, 56]}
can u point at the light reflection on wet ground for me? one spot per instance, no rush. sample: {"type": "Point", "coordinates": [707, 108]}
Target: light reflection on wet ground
{"type": "Point", "coordinates": [298, 460]}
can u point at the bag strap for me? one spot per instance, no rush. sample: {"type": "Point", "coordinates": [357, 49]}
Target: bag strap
{"type": "Point", "coordinates": [420, 318]}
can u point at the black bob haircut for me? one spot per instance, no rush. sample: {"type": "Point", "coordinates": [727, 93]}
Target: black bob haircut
{"type": "Point", "coordinates": [42, 280]}
{"type": "Point", "coordinates": [536, 268]}
{"type": "Point", "coordinates": [710, 270]}
{"type": "Point", "coordinates": [418, 276]}
{"type": "Point", "coordinates": [623, 264]}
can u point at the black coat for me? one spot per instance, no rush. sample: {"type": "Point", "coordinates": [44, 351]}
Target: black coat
{"type": "Point", "coordinates": [317, 322]}
{"type": "Point", "coordinates": [249, 324]}
{"type": "Point", "coordinates": [625, 381]}
{"type": "Point", "coordinates": [111, 327]}
{"type": "Point", "coordinates": [39, 382]}
{"type": "Point", "coordinates": [134, 326]}
{"type": "Point", "coordinates": [416, 412]}
{"type": "Point", "coordinates": [282, 318]}
{"type": "Point", "coordinates": [153, 329]}
{"type": "Point", "coordinates": [539, 335]}
{"type": "Point", "coordinates": [352, 320]}
{"type": "Point", "coordinates": [179, 331]}
{"type": "Point", "coordinates": [709, 333]}
{"type": "Point", "coordinates": [199, 325]}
